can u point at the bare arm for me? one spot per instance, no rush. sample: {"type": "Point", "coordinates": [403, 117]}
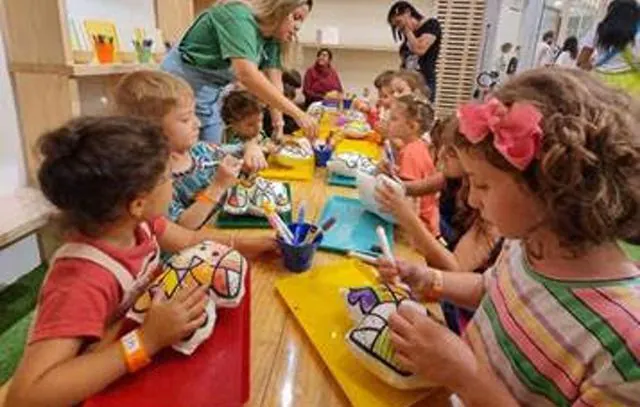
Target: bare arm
{"type": "Point", "coordinates": [419, 45]}
{"type": "Point", "coordinates": [275, 76]}
{"type": "Point", "coordinates": [196, 214]}
{"type": "Point", "coordinates": [176, 237]}
{"type": "Point", "coordinates": [426, 186]}
{"type": "Point", "coordinates": [584, 58]}
{"type": "Point", "coordinates": [426, 244]}
{"type": "Point", "coordinates": [463, 289]}
{"type": "Point", "coordinates": [51, 374]}
{"type": "Point", "coordinates": [474, 248]}
{"type": "Point", "coordinates": [257, 83]}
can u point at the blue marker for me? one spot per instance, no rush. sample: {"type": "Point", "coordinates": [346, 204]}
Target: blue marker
{"type": "Point", "coordinates": [297, 239]}
{"type": "Point", "coordinates": [301, 212]}
{"type": "Point", "coordinates": [391, 159]}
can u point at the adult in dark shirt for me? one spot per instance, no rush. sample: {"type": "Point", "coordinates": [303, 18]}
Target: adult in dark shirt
{"type": "Point", "coordinates": [420, 38]}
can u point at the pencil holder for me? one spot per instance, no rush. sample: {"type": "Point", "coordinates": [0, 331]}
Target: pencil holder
{"type": "Point", "coordinates": [144, 55]}
{"type": "Point", "coordinates": [105, 52]}
{"type": "Point", "coordinates": [323, 155]}
{"type": "Point", "coordinates": [299, 258]}
{"type": "Point", "coordinates": [347, 104]}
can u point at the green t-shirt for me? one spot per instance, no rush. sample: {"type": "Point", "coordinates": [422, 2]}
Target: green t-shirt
{"type": "Point", "coordinates": [224, 32]}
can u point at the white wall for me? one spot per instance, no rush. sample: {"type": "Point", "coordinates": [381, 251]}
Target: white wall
{"type": "Point", "coordinates": [360, 22]}
{"type": "Point", "coordinates": [126, 14]}
{"type": "Point", "coordinates": [357, 69]}
{"type": "Point", "coordinates": [23, 256]}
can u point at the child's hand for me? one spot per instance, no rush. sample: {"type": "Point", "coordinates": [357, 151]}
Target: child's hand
{"type": "Point", "coordinates": [429, 349]}
{"type": "Point", "coordinates": [167, 322]}
{"type": "Point", "coordinates": [253, 247]}
{"type": "Point", "coordinates": [254, 159]}
{"type": "Point", "coordinates": [416, 277]}
{"type": "Point", "coordinates": [395, 203]}
{"type": "Point", "coordinates": [227, 174]}
{"type": "Point", "coordinates": [385, 167]}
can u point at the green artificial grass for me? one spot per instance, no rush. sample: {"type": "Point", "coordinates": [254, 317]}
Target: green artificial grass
{"type": "Point", "coordinates": [19, 299]}
{"type": "Point", "coordinates": [632, 251]}
{"type": "Point", "coordinates": [12, 343]}
{"type": "Point", "coordinates": [17, 303]}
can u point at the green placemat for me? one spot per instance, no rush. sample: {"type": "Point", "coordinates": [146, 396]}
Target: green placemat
{"type": "Point", "coordinates": [342, 181]}
{"type": "Point", "coordinates": [227, 221]}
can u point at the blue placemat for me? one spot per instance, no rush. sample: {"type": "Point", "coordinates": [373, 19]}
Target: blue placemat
{"type": "Point", "coordinates": [355, 228]}
{"type": "Point", "coordinates": [342, 181]}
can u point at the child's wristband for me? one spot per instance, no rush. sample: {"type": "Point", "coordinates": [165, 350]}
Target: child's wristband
{"type": "Point", "coordinates": [205, 198]}
{"type": "Point", "coordinates": [135, 354]}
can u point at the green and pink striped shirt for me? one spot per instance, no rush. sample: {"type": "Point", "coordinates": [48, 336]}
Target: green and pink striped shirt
{"type": "Point", "coordinates": [556, 342]}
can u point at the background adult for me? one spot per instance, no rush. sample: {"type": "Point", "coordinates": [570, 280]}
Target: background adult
{"type": "Point", "coordinates": [616, 45]}
{"type": "Point", "coordinates": [568, 53]}
{"type": "Point", "coordinates": [321, 78]}
{"type": "Point", "coordinates": [544, 52]}
{"type": "Point", "coordinates": [238, 40]}
{"type": "Point", "coordinates": [420, 38]}
{"type": "Point", "coordinates": [501, 63]}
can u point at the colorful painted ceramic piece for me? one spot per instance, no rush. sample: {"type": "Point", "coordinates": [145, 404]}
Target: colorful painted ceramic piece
{"type": "Point", "coordinates": [356, 129]}
{"type": "Point", "coordinates": [349, 164]}
{"type": "Point", "coordinates": [362, 300]}
{"type": "Point", "coordinates": [294, 153]}
{"type": "Point", "coordinates": [249, 198]}
{"type": "Point", "coordinates": [367, 185]}
{"type": "Point", "coordinates": [369, 340]}
{"type": "Point", "coordinates": [209, 264]}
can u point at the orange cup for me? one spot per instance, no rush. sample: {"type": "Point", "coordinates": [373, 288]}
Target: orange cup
{"type": "Point", "coordinates": [105, 53]}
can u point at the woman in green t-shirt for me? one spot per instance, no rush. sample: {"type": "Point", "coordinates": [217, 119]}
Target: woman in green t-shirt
{"type": "Point", "coordinates": [239, 40]}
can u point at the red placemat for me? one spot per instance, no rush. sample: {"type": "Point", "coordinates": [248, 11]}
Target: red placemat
{"type": "Point", "coordinates": [216, 375]}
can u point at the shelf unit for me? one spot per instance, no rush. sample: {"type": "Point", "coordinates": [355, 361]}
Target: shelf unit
{"type": "Point", "coordinates": [82, 70]}
{"type": "Point", "coordinates": [463, 24]}
{"type": "Point", "coordinates": [352, 47]}
{"type": "Point", "coordinates": [49, 87]}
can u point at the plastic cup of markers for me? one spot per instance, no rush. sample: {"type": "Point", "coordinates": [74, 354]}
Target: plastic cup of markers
{"type": "Point", "coordinates": [298, 258]}
{"type": "Point", "coordinates": [323, 155]}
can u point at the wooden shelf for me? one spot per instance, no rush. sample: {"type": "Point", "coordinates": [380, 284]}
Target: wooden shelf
{"type": "Point", "coordinates": [81, 70]}
{"type": "Point", "coordinates": [353, 47]}
{"type": "Point", "coordinates": [109, 69]}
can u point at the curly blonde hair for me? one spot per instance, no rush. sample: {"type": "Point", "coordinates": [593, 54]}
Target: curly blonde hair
{"type": "Point", "coordinates": [418, 109]}
{"type": "Point", "coordinates": [587, 173]}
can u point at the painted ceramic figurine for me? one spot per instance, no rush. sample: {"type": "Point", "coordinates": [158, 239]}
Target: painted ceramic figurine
{"type": "Point", "coordinates": [369, 340]}
{"type": "Point", "coordinates": [349, 164]}
{"type": "Point", "coordinates": [248, 198]}
{"type": "Point", "coordinates": [293, 153]}
{"type": "Point", "coordinates": [220, 268]}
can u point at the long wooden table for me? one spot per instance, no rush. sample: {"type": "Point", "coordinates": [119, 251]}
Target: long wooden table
{"type": "Point", "coordinates": [286, 370]}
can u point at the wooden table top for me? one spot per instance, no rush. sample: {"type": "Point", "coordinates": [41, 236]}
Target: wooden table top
{"type": "Point", "coordinates": [286, 369]}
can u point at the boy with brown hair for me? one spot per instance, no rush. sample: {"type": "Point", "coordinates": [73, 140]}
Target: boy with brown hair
{"type": "Point", "coordinates": [202, 173]}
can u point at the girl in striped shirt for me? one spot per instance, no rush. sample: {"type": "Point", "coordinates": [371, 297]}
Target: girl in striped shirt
{"type": "Point", "coordinates": [553, 160]}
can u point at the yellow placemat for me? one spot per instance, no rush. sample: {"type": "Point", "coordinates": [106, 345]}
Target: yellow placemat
{"type": "Point", "coordinates": [367, 148]}
{"type": "Point", "coordinates": [303, 172]}
{"type": "Point", "coordinates": [314, 298]}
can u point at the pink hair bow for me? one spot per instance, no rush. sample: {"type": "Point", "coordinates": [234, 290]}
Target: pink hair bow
{"type": "Point", "coordinates": [516, 131]}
